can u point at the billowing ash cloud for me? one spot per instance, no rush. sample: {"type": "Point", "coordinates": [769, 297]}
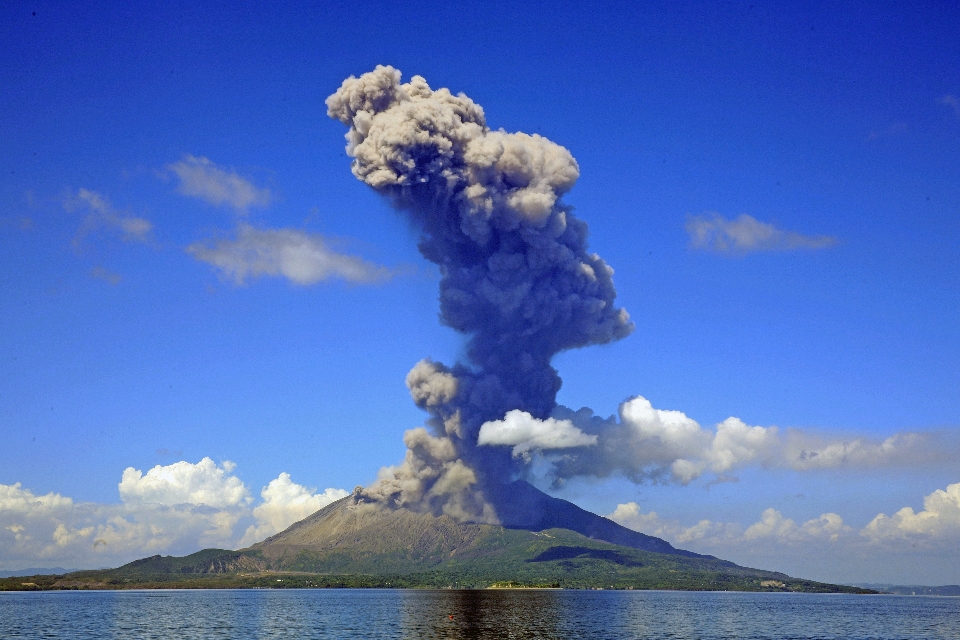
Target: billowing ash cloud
{"type": "Point", "coordinates": [517, 279]}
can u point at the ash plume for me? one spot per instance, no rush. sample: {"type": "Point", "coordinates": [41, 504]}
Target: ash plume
{"type": "Point", "coordinates": [516, 277]}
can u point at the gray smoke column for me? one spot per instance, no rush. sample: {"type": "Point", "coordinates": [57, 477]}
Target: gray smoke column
{"type": "Point", "coordinates": [516, 277]}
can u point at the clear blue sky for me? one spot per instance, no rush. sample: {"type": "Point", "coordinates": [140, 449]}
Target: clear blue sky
{"type": "Point", "coordinates": [835, 127]}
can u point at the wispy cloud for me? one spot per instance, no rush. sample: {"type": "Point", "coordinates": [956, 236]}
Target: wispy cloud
{"type": "Point", "coordinates": [101, 273]}
{"type": "Point", "coordinates": [102, 215]}
{"type": "Point", "coordinates": [201, 178]}
{"type": "Point", "coordinates": [745, 234]}
{"type": "Point", "coordinates": [22, 223]}
{"type": "Point", "coordinates": [894, 130]}
{"type": "Point", "coordinates": [300, 257]}
{"type": "Point", "coordinates": [953, 102]}
{"type": "Point", "coordinates": [171, 509]}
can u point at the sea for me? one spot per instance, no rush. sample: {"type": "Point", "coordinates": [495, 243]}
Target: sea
{"type": "Point", "coordinates": [489, 614]}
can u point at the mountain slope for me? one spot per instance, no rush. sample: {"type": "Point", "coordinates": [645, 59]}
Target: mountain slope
{"type": "Point", "coordinates": [370, 547]}
{"type": "Point", "coordinates": [520, 505]}
{"type": "Point", "coordinates": [351, 543]}
{"type": "Point", "coordinates": [351, 536]}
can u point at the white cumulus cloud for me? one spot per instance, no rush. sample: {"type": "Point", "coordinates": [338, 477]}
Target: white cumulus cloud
{"type": "Point", "coordinates": [772, 527]}
{"type": "Point", "coordinates": [15, 499]}
{"type": "Point", "coordinates": [746, 234]}
{"type": "Point", "coordinates": [706, 532]}
{"type": "Point", "coordinates": [203, 483]}
{"type": "Point", "coordinates": [906, 548]}
{"type": "Point", "coordinates": [939, 519]}
{"type": "Point", "coordinates": [201, 178]}
{"type": "Point", "coordinates": [526, 434]}
{"type": "Point", "coordinates": [286, 502]}
{"type": "Point", "coordinates": [300, 257]}
{"type": "Point", "coordinates": [647, 443]}
{"type": "Point", "coordinates": [173, 509]}
{"type": "Point", "coordinates": [54, 530]}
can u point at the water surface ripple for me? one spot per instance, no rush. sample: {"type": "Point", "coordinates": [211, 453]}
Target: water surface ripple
{"type": "Point", "coordinates": [494, 614]}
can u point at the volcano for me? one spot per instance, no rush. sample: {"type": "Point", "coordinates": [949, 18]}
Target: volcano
{"type": "Point", "coordinates": [542, 541]}
{"type": "Point", "coordinates": [519, 283]}
{"type": "Point", "coordinates": [356, 536]}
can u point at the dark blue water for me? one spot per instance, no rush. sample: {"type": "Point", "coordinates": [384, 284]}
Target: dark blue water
{"type": "Point", "coordinates": [414, 614]}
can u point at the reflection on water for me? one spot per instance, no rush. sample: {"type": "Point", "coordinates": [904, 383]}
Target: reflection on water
{"type": "Point", "coordinates": [493, 614]}
{"type": "Point", "coordinates": [482, 614]}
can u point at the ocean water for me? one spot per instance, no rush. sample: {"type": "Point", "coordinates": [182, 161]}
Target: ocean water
{"type": "Point", "coordinates": [493, 614]}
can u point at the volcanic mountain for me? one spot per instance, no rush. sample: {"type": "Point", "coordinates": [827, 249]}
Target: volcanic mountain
{"type": "Point", "coordinates": [354, 536]}
{"type": "Point", "coordinates": [542, 541]}
{"type": "Point", "coordinates": [356, 542]}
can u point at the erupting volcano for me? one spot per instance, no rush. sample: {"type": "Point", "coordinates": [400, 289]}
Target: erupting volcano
{"type": "Point", "coordinates": [516, 280]}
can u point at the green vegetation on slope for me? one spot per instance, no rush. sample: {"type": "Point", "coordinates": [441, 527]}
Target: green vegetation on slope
{"type": "Point", "coordinates": [495, 557]}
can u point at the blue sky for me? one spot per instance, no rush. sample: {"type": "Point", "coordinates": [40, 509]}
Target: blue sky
{"type": "Point", "coordinates": [835, 128]}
